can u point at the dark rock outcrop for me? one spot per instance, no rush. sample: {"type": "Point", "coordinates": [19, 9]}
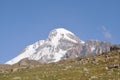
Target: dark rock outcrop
{"type": "Point", "coordinates": [115, 47]}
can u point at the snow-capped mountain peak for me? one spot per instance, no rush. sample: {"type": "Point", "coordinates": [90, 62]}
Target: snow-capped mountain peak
{"type": "Point", "coordinates": [59, 42]}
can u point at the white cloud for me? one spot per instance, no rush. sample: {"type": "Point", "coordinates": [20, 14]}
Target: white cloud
{"type": "Point", "coordinates": [106, 33]}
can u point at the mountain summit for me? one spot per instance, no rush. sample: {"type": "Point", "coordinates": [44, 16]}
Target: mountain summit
{"type": "Point", "coordinates": [60, 44]}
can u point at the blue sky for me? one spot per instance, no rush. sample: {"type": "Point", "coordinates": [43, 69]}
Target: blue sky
{"type": "Point", "coordinates": [23, 22]}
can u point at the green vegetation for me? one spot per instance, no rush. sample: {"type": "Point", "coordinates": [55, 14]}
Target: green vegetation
{"type": "Point", "coordinates": [99, 67]}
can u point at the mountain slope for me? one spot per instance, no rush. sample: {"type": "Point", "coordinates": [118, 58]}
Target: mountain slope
{"type": "Point", "coordinates": [105, 66]}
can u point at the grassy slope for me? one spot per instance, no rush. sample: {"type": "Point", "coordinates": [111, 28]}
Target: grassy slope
{"type": "Point", "coordinates": [87, 68]}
